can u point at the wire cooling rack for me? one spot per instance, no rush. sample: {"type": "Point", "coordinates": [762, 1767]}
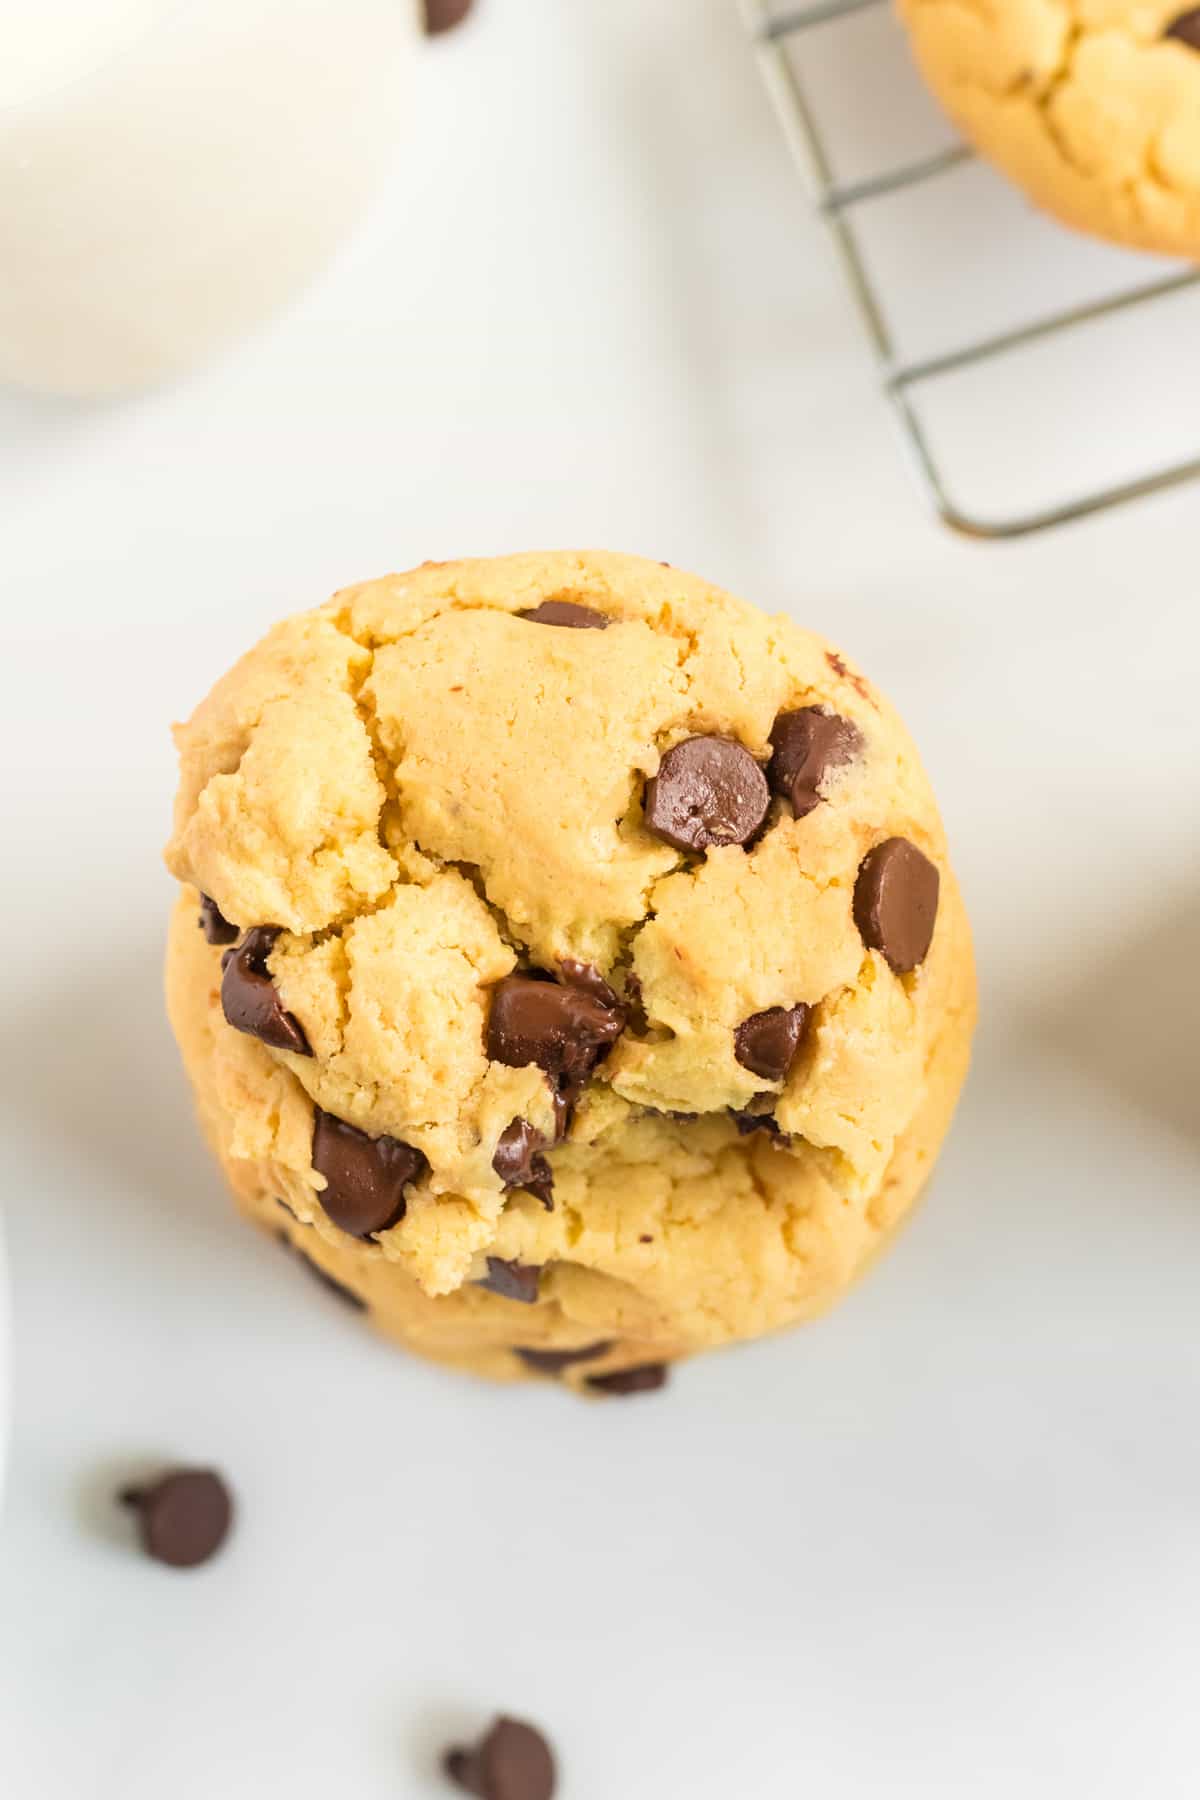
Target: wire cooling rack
{"type": "Point", "coordinates": [772, 31]}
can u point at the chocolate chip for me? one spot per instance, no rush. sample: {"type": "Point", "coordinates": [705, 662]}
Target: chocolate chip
{"type": "Point", "coordinates": [645, 1379]}
{"type": "Point", "coordinates": [340, 1292]}
{"type": "Point", "coordinates": [805, 745]}
{"type": "Point", "coordinates": [708, 791]}
{"type": "Point", "coordinates": [214, 924]}
{"type": "Point", "coordinates": [747, 1122]}
{"type": "Point", "coordinates": [568, 613]}
{"type": "Point", "coordinates": [513, 1762]}
{"type": "Point", "coordinates": [512, 1280]}
{"type": "Point", "coordinates": [442, 15]}
{"type": "Point", "coordinates": [183, 1517]}
{"type": "Point", "coordinates": [1186, 28]}
{"type": "Point", "coordinates": [250, 999]}
{"type": "Point", "coordinates": [365, 1176]}
{"type": "Point", "coordinates": [896, 902]}
{"type": "Point", "coordinates": [563, 1030]}
{"type": "Point", "coordinates": [553, 1362]}
{"type": "Point", "coordinates": [588, 979]}
{"type": "Point", "coordinates": [766, 1042]}
{"type": "Point", "coordinates": [520, 1164]}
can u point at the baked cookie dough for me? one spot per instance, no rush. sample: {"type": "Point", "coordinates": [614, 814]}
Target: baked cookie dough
{"type": "Point", "coordinates": [1092, 106]}
{"type": "Point", "coordinates": [567, 964]}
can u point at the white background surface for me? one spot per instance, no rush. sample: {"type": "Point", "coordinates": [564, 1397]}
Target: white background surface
{"type": "Point", "coordinates": [943, 1544]}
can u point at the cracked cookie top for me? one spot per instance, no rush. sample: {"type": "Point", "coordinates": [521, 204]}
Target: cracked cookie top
{"type": "Point", "coordinates": [1093, 106]}
{"type": "Point", "coordinates": [504, 856]}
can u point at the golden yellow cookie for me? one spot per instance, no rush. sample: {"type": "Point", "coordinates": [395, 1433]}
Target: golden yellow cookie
{"type": "Point", "coordinates": [568, 961]}
{"type": "Point", "coordinates": [1092, 106]}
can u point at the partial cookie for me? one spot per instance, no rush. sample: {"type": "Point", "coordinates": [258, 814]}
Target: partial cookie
{"type": "Point", "coordinates": [1092, 106]}
{"type": "Point", "coordinates": [568, 961]}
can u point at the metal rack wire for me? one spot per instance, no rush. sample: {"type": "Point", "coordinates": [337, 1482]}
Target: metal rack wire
{"type": "Point", "coordinates": [771, 30]}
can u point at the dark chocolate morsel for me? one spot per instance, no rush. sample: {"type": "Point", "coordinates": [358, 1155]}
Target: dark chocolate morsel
{"type": "Point", "coordinates": [708, 791]}
{"type": "Point", "coordinates": [644, 1379]}
{"type": "Point", "coordinates": [568, 613]}
{"type": "Point", "coordinates": [805, 745]}
{"type": "Point", "coordinates": [513, 1762]}
{"type": "Point", "coordinates": [588, 979]}
{"type": "Point", "coordinates": [214, 924]}
{"type": "Point", "coordinates": [519, 1162]}
{"type": "Point", "coordinates": [183, 1517]}
{"type": "Point", "coordinates": [896, 902]}
{"type": "Point", "coordinates": [1186, 28]}
{"type": "Point", "coordinates": [553, 1362]}
{"type": "Point", "coordinates": [365, 1177]}
{"type": "Point", "coordinates": [250, 999]}
{"type": "Point", "coordinates": [512, 1280]}
{"type": "Point", "coordinates": [442, 15]}
{"type": "Point", "coordinates": [766, 1042]}
{"type": "Point", "coordinates": [563, 1030]}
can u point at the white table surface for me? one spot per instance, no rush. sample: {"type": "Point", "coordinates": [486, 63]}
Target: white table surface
{"type": "Point", "coordinates": [945, 1543]}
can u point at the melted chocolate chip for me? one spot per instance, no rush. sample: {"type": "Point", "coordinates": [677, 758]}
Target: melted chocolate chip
{"type": "Point", "coordinates": [520, 1164]}
{"type": "Point", "coordinates": [1186, 28]}
{"type": "Point", "coordinates": [553, 1362]}
{"type": "Point", "coordinates": [564, 1030]}
{"type": "Point", "coordinates": [365, 1176]}
{"type": "Point", "coordinates": [896, 902]}
{"type": "Point", "coordinates": [766, 1042]}
{"type": "Point", "coordinates": [442, 15]}
{"type": "Point", "coordinates": [250, 999]}
{"type": "Point", "coordinates": [708, 791]}
{"type": "Point", "coordinates": [645, 1379]}
{"type": "Point", "coordinates": [805, 746]}
{"type": "Point", "coordinates": [183, 1517]}
{"type": "Point", "coordinates": [568, 613]}
{"type": "Point", "coordinates": [512, 1280]}
{"type": "Point", "coordinates": [214, 924]}
{"type": "Point", "coordinates": [513, 1762]}
{"type": "Point", "coordinates": [588, 979]}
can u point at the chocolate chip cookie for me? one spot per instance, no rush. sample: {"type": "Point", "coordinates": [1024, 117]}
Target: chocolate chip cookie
{"type": "Point", "coordinates": [567, 961]}
{"type": "Point", "coordinates": [1092, 106]}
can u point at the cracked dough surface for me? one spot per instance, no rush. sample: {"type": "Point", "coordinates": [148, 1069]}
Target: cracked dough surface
{"type": "Point", "coordinates": [1087, 104]}
{"type": "Point", "coordinates": [427, 792]}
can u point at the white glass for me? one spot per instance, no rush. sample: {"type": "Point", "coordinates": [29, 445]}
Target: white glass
{"type": "Point", "coordinates": [171, 170]}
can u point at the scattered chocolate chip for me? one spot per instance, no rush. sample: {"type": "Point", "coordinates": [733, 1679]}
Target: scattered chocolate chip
{"type": "Point", "coordinates": [1186, 28]}
{"type": "Point", "coordinates": [747, 1122]}
{"type": "Point", "coordinates": [183, 1517]}
{"type": "Point", "coordinates": [563, 1030]}
{"type": "Point", "coordinates": [708, 791]}
{"type": "Point", "coordinates": [520, 1164]}
{"type": "Point", "coordinates": [646, 1237]}
{"type": "Point", "coordinates": [346, 1295]}
{"type": "Point", "coordinates": [512, 1280]}
{"type": "Point", "coordinates": [250, 999]}
{"type": "Point", "coordinates": [896, 902]}
{"type": "Point", "coordinates": [442, 15]}
{"type": "Point", "coordinates": [805, 745]}
{"type": "Point", "coordinates": [513, 1762]}
{"type": "Point", "coordinates": [553, 1362]}
{"type": "Point", "coordinates": [588, 979]}
{"type": "Point", "coordinates": [766, 1042]}
{"type": "Point", "coordinates": [365, 1176]}
{"type": "Point", "coordinates": [214, 924]}
{"type": "Point", "coordinates": [645, 1379]}
{"type": "Point", "coordinates": [568, 613]}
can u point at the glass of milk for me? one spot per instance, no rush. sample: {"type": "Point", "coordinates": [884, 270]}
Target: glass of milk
{"type": "Point", "coordinates": [172, 170]}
